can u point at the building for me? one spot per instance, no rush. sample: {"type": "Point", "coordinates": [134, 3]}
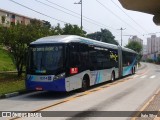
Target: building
{"type": "Point", "coordinates": [153, 44]}
{"type": "Point", "coordinates": [149, 46]}
{"type": "Point", "coordinates": [7, 18]}
{"type": "Point", "coordinates": [153, 47]}
{"type": "Point", "coordinates": [145, 50]}
{"type": "Point", "coordinates": [135, 38]}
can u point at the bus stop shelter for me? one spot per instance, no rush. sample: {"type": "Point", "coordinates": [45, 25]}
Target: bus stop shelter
{"type": "Point", "coordinates": [146, 6]}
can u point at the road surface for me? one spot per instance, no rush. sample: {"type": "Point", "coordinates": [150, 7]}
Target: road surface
{"type": "Point", "coordinates": [126, 94]}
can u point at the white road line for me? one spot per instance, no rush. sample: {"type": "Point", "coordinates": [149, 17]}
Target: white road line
{"type": "Point", "coordinates": [153, 76]}
{"type": "Point", "coordinates": [135, 76]}
{"type": "Point", "coordinates": [143, 76]}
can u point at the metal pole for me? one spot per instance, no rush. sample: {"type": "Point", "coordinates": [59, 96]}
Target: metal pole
{"type": "Point", "coordinates": [81, 15]}
{"type": "Point", "coordinates": [121, 34]}
{"type": "Point", "coordinates": [80, 2]}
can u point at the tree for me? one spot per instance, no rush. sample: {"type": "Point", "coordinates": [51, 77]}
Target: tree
{"type": "Point", "coordinates": [58, 30]}
{"type": "Point", "coordinates": [104, 35]}
{"type": "Point", "coordinates": [158, 59]}
{"type": "Point", "coordinates": [46, 24]}
{"type": "Point", "coordinates": [73, 30]}
{"type": "Point", "coordinates": [134, 45]}
{"type": "Point", "coordinates": [18, 37]}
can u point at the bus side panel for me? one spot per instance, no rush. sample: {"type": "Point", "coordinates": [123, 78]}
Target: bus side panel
{"type": "Point", "coordinates": [99, 76]}
{"type": "Point", "coordinates": [128, 69]}
{"type": "Point", "coordinates": [75, 81]}
{"type": "Point", "coordinates": [116, 72]}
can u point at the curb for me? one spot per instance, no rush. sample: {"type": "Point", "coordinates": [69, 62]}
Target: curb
{"type": "Point", "coordinates": [13, 94]}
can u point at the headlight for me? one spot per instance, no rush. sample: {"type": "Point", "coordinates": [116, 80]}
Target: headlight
{"type": "Point", "coordinates": [62, 75]}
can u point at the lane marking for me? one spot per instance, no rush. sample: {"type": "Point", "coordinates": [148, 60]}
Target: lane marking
{"type": "Point", "coordinates": [135, 76]}
{"type": "Point", "coordinates": [153, 76]}
{"type": "Point", "coordinates": [144, 76]}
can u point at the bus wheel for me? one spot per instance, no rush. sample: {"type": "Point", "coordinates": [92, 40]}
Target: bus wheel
{"type": "Point", "coordinates": [84, 85]}
{"type": "Point", "coordinates": [134, 70]}
{"type": "Point", "coordinates": [112, 77]}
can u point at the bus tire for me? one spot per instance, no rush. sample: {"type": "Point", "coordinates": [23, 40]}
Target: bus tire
{"type": "Point", "coordinates": [134, 70]}
{"type": "Point", "coordinates": [85, 83]}
{"type": "Point", "coordinates": [113, 76]}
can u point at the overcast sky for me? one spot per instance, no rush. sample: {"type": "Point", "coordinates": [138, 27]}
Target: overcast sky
{"type": "Point", "coordinates": [102, 12]}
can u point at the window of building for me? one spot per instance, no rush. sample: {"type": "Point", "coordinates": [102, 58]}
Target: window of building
{"type": "Point", "coordinates": [3, 18]}
{"type": "Point", "coordinates": [13, 16]}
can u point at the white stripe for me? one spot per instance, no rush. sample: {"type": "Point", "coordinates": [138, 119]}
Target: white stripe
{"type": "Point", "coordinates": [135, 76]}
{"type": "Point", "coordinates": [153, 76]}
{"type": "Point", "coordinates": [143, 76]}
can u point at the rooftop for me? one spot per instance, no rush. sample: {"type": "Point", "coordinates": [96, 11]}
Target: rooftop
{"type": "Point", "coordinates": [15, 13]}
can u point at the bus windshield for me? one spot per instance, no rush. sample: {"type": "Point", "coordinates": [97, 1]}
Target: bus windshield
{"type": "Point", "coordinates": [45, 59]}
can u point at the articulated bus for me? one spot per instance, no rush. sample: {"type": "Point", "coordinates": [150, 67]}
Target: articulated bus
{"type": "Point", "coordinates": [68, 62]}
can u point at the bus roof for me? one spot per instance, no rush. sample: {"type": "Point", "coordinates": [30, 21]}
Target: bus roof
{"type": "Point", "coordinates": [72, 38]}
{"type": "Point", "coordinates": [78, 39]}
{"type": "Point", "coordinates": [128, 50]}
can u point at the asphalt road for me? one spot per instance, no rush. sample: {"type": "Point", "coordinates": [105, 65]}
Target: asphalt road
{"type": "Point", "coordinates": [127, 94]}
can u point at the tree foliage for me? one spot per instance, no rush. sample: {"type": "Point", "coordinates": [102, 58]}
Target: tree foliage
{"type": "Point", "coordinates": [134, 45]}
{"type": "Point", "coordinates": [18, 37]}
{"type": "Point", "coordinates": [104, 35]}
{"type": "Point", "coordinates": [73, 30]}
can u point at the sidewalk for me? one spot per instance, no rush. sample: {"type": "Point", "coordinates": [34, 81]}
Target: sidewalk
{"type": "Point", "coordinates": [151, 109]}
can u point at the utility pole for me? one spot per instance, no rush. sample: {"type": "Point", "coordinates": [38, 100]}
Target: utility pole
{"type": "Point", "coordinates": [80, 2]}
{"type": "Point", "coordinates": [121, 33]}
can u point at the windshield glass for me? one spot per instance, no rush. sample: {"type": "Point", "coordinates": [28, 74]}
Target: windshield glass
{"type": "Point", "coordinates": [45, 59]}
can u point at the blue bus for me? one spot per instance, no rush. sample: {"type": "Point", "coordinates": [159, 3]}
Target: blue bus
{"type": "Point", "coordinates": [69, 62]}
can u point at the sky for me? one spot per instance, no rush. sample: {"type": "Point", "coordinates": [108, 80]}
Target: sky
{"type": "Point", "coordinates": [97, 14]}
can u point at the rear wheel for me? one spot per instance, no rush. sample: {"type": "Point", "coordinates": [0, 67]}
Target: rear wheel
{"type": "Point", "coordinates": [134, 70]}
{"type": "Point", "coordinates": [112, 77]}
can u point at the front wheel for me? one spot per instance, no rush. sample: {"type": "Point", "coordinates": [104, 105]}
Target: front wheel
{"type": "Point", "coordinates": [84, 86]}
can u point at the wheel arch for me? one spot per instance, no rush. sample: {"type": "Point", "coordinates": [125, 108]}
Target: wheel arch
{"type": "Point", "coordinates": [87, 78]}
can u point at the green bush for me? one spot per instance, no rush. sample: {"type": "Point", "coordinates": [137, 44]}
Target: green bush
{"type": "Point", "coordinates": [150, 60]}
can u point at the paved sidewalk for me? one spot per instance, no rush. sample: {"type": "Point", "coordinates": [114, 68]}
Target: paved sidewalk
{"type": "Point", "coordinates": [153, 108]}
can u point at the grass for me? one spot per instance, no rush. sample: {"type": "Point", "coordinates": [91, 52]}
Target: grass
{"type": "Point", "coordinates": [10, 82]}
{"type": "Point", "coordinates": [9, 87]}
{"type": "Point", "coordinates": [6, 63]}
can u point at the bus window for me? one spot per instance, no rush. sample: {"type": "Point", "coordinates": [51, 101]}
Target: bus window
{"type": "Point", "coordinates": [74, 56]}
{"type": "Point", "coordinates": [45, 59]}
{"type": "Point", "coordinates": [83, 50]}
